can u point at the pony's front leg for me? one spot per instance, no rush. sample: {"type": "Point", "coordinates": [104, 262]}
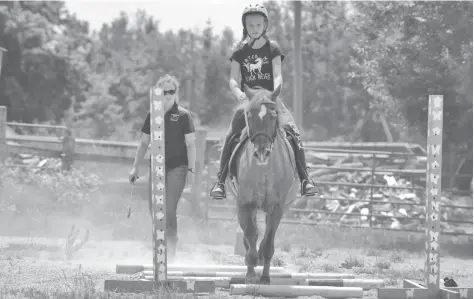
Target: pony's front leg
{"type": "Point", "coordinates": [267, 247]}
{"type": "Point", "coordinates": [247, 215]}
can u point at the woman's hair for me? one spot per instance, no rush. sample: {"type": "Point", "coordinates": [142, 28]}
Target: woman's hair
{"type": "Point", "coordinates": [168, 79]}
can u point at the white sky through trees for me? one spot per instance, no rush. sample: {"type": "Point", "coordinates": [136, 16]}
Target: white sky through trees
{"type": "Point", "coordinates": [174, 14]}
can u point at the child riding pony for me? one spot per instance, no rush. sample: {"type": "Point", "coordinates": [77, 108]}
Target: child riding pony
{"type": "Point", "coordinates": [257, 60]}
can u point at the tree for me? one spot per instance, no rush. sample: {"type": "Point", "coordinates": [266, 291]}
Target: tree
{"type": "Point", "coordinates": [410, 50]}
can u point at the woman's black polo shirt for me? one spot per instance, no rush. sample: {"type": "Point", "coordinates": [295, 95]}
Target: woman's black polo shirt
{"type": "Point", "coordinates": [178, 122]}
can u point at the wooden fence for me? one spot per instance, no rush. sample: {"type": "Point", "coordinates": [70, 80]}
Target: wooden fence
{"type": "Point", "coordinates": [70, 149]}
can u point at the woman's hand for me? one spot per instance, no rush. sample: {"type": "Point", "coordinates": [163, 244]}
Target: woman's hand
{"type": "Point", "coordinates": [133, 175]}
{"type": "Point", "coordinates": [190, 179]}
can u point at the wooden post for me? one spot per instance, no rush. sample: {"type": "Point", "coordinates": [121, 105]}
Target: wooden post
{"type": "Point", "coordinates": [298, 71]}
{"type": "Point", "coordinates": [158, 185]}
{"type": "Point", "coordinates": [372, 182]}
{"type": "Point", "coordinates": [433, 191]}
{"type": "Point", "coordinates": [3, 134]}
{"type": "Point", "coordinates": [431, 288]}
{"type": "Point", "coordinates": [158, 211]}
{"type": "Point", "coordinates": [201, 136]}
{"type": "Point", "coordinates": [68, 141]}
{"type": "Point", "coordinates": [67, 155]}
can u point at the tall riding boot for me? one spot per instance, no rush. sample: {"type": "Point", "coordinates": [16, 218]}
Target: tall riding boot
{"type": "Point", "coordinates": [218, 190]}
{"type": "Point", "coordinates": [308, 187]}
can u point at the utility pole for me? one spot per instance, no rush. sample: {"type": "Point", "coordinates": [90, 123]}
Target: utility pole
{"type": "Point", "coordinates": [3, 121]}
{"type": "Point", "coordinates": [298, 69]}
{"type": "Point", "coordinates": [1, 58]}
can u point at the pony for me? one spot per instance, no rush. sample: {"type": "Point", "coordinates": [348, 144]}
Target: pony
{"type": "Point", "coordinates": [263, 177]}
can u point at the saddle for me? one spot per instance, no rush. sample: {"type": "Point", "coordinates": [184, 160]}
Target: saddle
{"type": "Point", "coordinates": [238, 142]}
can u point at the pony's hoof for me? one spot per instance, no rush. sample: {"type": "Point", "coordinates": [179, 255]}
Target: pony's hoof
{"type": "Point", "coordinates": [251, 276]}
{"type": "Point", "coordinates": [265, 280]}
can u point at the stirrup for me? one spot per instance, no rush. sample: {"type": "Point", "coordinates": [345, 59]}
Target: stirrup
{"type": "Point", "coordinates": [308, 181]}
{"type": "Point", "coordinates": [222, 187]}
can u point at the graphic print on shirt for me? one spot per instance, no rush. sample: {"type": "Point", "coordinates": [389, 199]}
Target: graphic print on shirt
{"type": "Point", "coordinates": [254, 64]}
{"type": "Point", "coordinates": [174, 117]}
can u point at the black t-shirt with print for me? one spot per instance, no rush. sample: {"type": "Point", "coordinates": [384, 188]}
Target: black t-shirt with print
{"type": "Point", "coordinates": [178, 123]}
{"type": "Point", "coordinates": [256, 64]}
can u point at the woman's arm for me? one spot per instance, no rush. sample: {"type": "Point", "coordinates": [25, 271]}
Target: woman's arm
{"type": "Point", "coordinates": [187, 123]}
{"type": "Point", "coordinates": [190, 140]}
{"type": "Point", "coordinates": [141, 150]}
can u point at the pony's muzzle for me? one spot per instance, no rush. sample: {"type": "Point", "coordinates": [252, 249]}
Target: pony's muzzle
{"type": "Point", "coordinates": [262, 155]}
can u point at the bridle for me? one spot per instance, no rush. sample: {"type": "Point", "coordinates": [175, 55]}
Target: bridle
{"type": "Point", "coordinates": [260, 133]}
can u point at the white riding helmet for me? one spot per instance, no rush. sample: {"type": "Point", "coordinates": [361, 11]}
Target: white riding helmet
{"type": "Point", "coordinates": [254, 9]}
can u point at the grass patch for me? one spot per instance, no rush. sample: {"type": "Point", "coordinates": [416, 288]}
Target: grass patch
{"type": "Point", "coordinates": [353, 261]}
{"type": "Point", "coordinates": [365, 270]}
{"type": "Point", "coordinates": [305, 266]}
{"type": "Point", "coordinates": [382, 263]}
{"type": "Point", "coordinates": [304, 251]}
{"type": "Point", "coordinates": [330, 268]}
{"type": "Point", "coordinates": [18, 247]}
{"type": "Point", "coordinates": [373, 252]}
{"type": "Point", "coordinates": [80, 281]}
{"type": "Point", "coordinates": [373, 241]}
{"type": "Point", "coordinates": [397, 257]}
{"type": "Point", "coordinates": [278, 261]}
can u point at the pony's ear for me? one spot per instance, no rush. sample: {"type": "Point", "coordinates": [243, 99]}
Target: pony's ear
{"type": "Point", "coordinates": [249, 91]}
{"type": "Point", "coordinates": [276, 93]}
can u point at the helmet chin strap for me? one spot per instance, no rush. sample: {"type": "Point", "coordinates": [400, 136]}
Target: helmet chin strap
{"type": "Point", "coordinates": [255, 39]}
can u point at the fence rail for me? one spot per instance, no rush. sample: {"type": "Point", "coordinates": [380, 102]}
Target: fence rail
{"type": "Point", "coordinates": [308, 211]}
{"type": "Point", "coordinates": [70, 149]}
{"type": "Point", "coordinates": [373, 190]}
{"type": "Point", "coordinates": [319, 223]}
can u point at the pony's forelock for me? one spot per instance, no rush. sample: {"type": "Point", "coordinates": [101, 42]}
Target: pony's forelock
{"type": "Point", "coordinates": [261, 95]}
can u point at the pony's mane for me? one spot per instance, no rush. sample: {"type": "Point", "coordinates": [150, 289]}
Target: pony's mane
{"type": "Point", "coordinates": [260, 96]}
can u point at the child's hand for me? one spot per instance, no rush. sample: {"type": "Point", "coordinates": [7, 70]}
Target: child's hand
{"type": "Point", "coordinates": [242, 97]}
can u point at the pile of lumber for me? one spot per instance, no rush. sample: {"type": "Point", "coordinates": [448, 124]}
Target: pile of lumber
{"type": "Point", "coordinates": [397, 198]}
